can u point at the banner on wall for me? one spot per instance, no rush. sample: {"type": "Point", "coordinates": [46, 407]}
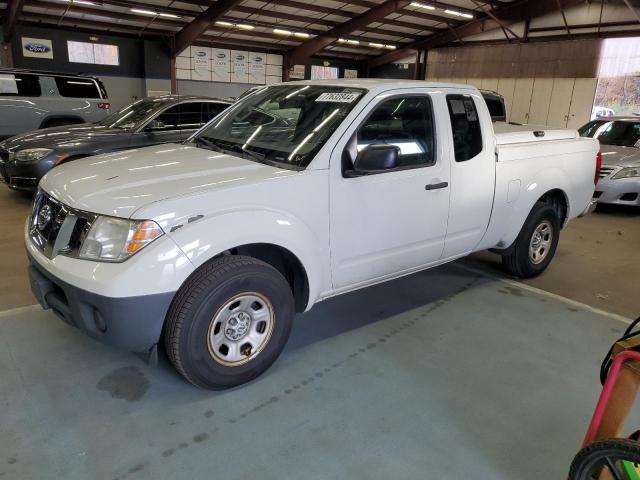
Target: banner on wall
{"type": "Point", "coordinates": [221, 65]}
{"type": "Point", "coordinates": [297, 72]}
{"type": "Point", "coordinates": [37, 47]}
{"type": "Point", "coordinates": [350, 73]}
{"type": "Point", "coordinates": [257, 67]}
{"type": "Point", "coordinates": [239, 66]}
{"type": "Point", "coordinates": [200, 63]}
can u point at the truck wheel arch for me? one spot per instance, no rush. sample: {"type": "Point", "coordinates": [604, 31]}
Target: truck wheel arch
{"type": "Point", "coordinates": [559, 200]}
{"type": "Point", "coordinates": [280, 258]}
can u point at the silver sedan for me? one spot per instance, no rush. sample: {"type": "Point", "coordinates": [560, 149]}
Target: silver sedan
{"type": "Point", "coordinates": [619, 137]}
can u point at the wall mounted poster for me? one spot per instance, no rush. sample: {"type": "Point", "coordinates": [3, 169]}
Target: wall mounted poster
{"type": "Point", "coordinates": [239, 66]}
{"type": "Point", "coordinates": [297, 72]}
{"type": "Point", "coordinates": [350, 73]}
{"type": "Point", "coordinates": [200, 63]}
{"type": "Point", "coordinates": [37, 47]}
{"type": "Point", "coordinates": [221, 66]}
{"type": "Point", "coordinates": [257, 67]}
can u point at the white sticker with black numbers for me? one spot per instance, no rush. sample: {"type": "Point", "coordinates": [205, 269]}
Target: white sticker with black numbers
{"type": "Point", "coordinates": [338, 97]}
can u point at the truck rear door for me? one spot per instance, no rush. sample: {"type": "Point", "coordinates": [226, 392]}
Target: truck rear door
{"type": "Point", "coordinates": [472, 156]}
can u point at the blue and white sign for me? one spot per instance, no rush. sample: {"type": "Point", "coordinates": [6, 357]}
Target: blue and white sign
{"type": "Point", "coordinates": [36, 48]}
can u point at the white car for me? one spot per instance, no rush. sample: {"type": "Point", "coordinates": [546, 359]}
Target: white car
{"type": "Point", "coordinates": [297, 193]}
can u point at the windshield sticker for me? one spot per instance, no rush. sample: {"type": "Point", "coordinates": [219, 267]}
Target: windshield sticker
{"type": "Point", "coordinates": [338, 97]}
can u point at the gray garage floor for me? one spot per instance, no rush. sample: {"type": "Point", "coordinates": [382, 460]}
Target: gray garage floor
{"type": "Point", "coordinates": [444, 374]}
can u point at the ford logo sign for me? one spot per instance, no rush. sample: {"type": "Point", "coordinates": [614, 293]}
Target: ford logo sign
{"type": "Point", "coordinates": [239, 57]}
{"type": "Point", "coordinates": [221, 55]}
{"type": "Point", "coordinates": [201, 54]}
{"type": "Point", "coordinates": [37, 48]}
{"type": "Point", "coordinates": [257, 59]}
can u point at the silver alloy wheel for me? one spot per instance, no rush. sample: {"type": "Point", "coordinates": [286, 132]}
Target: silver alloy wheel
{"type": "Point", "coordinates": [541, 242]}
{"type": "Point", "coordinates": [241, 329]}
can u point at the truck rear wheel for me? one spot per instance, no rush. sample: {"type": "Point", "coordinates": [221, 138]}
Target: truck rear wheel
{"type": "Point", "coordinates": [229, 322]}
{"type": "Point", "coordinates": [536, 244]}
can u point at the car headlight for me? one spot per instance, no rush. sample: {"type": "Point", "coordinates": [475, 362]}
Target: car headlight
{"type": "Point", "coordinates": [626, 173]}
{"type": "Point", "coordinates": [113, 239]}
{"type": "Point", "coordinates": [32, 154]}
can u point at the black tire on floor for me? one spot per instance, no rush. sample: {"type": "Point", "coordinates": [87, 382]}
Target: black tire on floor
{"type": "Point", "coordinates": [190, 321]}
{"type": "Point", "coordinates": [590, 461]}
{"type": "Point", "coordinates": [518, 261]}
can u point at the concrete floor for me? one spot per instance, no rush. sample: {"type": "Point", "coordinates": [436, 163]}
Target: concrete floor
{"type": "Point", "coordinates": [445, 372]}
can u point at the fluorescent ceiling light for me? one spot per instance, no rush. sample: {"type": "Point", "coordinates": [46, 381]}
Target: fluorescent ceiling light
{"type": "Point", "coordinates": [301, 34]}
{"type": "Point", "coordinates": [353, 42]}
{"type": "Point", "coordinates": [376, 45]}
{"type": "Point", "coordinates": [421, 5]}
{"type": "Point", "coordinates": [281, 32]}
{"type": "Point", "coordinates": [225, 24]}
{"type": "Point", "coordinates": [143, 12]}
{"type": "Point", "coordinates": [79, 2]}
{"type": "Point", "coordinates": [244, 26]}
{"type": "Point", "coordinates": [390, 47]}
{"type": "Point", "coordinates": [342, 40]}
{"type": "Point", "coordinates": [168, 15]}
{"type": "Point", "coordinates": [458, 14]}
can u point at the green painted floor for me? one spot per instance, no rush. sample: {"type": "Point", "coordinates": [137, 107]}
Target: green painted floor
{"type": "Point", "coordinates": [443, 374]}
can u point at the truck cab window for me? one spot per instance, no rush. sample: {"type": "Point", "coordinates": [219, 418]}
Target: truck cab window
{"type": "Point", "coordinates": [406, 122]}
{"type": "Point", "coordinates": [465, 127]}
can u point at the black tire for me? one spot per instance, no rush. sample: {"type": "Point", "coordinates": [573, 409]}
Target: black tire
{"type": "Point", "coordinates": [192, 320]}
{"type": "Point", "coordinates": [592, 459]}
{"type": "Point", "coordinates": [59, 123]}
{"type": "Point", "coordinates": [518, 261]}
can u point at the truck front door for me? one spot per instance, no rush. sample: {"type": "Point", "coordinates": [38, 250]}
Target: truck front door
{"type": "Point", "coordinates": [395, 220]}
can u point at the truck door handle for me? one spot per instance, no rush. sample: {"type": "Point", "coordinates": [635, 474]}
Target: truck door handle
{"type": "Point", "coordinates": [436, 186]}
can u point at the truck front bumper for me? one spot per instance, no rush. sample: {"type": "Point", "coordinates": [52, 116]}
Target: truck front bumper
{"type": "Point", "coordinates": [131, 323]}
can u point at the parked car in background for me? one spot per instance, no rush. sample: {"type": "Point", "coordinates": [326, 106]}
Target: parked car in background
{"type": "Point", "coordinates": [598, 112]}
{"type": "Point", "coordinates": [299, 192]}
{"type": "Point", "coordinates": [619, 138]}
{"type": "Point", "coordinates": [495, 104]}
{"type": "Point", "coordinates": [33, 99]}
{"type": "Point", "coordinates": [24, 159]}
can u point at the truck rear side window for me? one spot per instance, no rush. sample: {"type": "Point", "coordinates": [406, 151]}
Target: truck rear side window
{"type": "Point", "coordinates": [465, 126]}
{"type": "Point", "coordinates": [77, 87]}
{"type": "Point", "coordinates": [19, 85]}
{"type": "Point", "coordinates": [406, 122]}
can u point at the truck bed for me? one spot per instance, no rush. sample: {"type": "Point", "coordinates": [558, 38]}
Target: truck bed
{"type": "Point", "coordinates": [507, 134]}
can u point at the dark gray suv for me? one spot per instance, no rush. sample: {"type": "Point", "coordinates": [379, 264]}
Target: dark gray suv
{"type": "Point", "coordinates": [24, 159]}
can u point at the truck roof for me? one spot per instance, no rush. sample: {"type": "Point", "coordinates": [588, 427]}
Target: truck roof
{"type": "Point", "coordinates": [379, 83]}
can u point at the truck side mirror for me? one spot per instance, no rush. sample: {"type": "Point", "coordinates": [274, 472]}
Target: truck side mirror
{"type": "Point", "coordinates": [376, 158]}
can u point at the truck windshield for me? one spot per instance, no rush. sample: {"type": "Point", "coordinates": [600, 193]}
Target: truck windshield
{"type": "Point", "coordinates": [133, 114]}
{"type": "Point", "coordinates": [283, 125]}
{"type": "Point", "coordinates": [621, 133]}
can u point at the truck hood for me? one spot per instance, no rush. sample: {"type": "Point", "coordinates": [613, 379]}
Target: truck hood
{"type": "Point", "coordinates": [120, 183]}
{"type": "Point", "coordinates": [64, 138]}
{"type": "Point", "coordinates": [620, 156]}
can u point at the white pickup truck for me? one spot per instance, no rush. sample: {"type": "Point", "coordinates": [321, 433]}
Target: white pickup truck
{"type": "Point", "coordinates": [299, 192]}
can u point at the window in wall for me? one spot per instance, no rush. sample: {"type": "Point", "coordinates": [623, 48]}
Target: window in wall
{"type": "Point", "coordinates": [406, 122]}
{"type": "Point", "coordinates": [77, 87]}
{"type": "Point", "coordinates": [96, 53]}
{"type": "Point", "coordinates": [465, 126]}
{"type": "Point", "coordinates": [20, 85]}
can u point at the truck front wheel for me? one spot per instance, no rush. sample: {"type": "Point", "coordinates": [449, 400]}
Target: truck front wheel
{"type": "Point", "coordinates": [536, 244]}
{"type": "Point", "coordinates": [229, 322]}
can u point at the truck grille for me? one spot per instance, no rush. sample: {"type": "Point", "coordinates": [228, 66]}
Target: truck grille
{"type": "Point", "coordinates": [606, 171]}
{"type": "Point", "coordinates": [56, 228]}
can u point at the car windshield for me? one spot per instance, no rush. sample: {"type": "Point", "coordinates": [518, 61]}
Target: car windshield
{"type": "Point", "coordinates": [133, 114]}
{"type": "Point", "coordinates": [621, 133]}
{"type": "Point", "coordinates": [283, 125]}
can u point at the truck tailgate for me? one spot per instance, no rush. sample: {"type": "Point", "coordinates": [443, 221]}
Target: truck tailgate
{"type": "Point", "coordinates": [507, 134]}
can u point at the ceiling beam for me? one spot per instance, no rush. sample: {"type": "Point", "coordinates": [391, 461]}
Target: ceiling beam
{"type": "Point", "coordinates": [308, 48]}
{"type": "Point", "coordinates": [190, 32]}
{"type": "Point", "coordinates": [11, 16]}
{"type": "Point", "coordinates": [510, 13]}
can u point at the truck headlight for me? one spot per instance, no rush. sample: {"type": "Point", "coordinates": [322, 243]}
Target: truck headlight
{"type": "Point", "coordinates": [113, 239]}
{"type": "Point", "coordinates": [626, 173]}
{"type": "Point", "coordinates": [32, 154]}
